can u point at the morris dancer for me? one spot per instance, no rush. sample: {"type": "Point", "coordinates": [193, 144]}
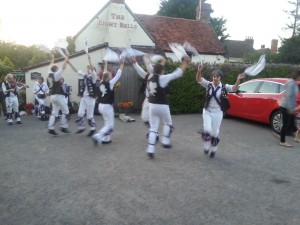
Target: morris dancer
{"type": "Point", "coordinates": [57, 98]}
{"type": "Point", "coordinates": [159, 106]}
{"type": "Point", "coordinates": [87, 101]}
{"type": "Point", "coordinates": [40, 90]}
{"type": "Point", "coordinates": [106, 100]}
{"type": "Point", "coordinates": [144, 75]}
{"type": "Point", "coordinates": [212, 111]}
{"type": "Point", "coordinates": [11, 92]}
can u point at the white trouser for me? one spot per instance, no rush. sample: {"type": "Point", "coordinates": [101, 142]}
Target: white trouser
{"type": "Point", "coordinates": [41, 102]}
{"type": "Point", "coordinates": [58, 103]}
{"type": "Point", "coordinates": [145, 110]}
{"type": "Point", "coordinates": [211, 125]}
{"type": "Point", "coordinates": [87, 104]}
{"type": "Point", "coordinates": [157, 112]}
{"type": "Point", "coordinates": [108, 114]}
{"type": "Point", "coordinates": [12, 104]}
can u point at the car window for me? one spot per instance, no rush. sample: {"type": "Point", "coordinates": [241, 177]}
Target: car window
{"type": "Point", "coordinates": [281, 88]}
{"type": "Point", "coordinates": [248, 87]}
{"type": "Point", "coordinates": [268, 87]}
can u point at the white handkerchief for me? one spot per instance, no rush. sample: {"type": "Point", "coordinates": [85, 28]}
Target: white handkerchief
{"type": "Point", "coordinates": [187, 46]}
{"type": "Point", "coordinates": [123, 54]}
{"type": "Point", "coordinates": [178, 50]}
{"type": "Point", "coordinates": [156, 58]}
{"type": "Point", "coordinates": [130, 52]}
{"type": "Point", "coordinates": [257, 68]}
{"type": "Point", "coordinates": [111, 56]}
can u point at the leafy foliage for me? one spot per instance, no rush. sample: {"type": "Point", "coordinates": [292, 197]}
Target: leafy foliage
{"type": "Point", "coordinates": [178, 8]}
{"type": "Point", "coordinates": [294, 15]}
{"type": "Point", "coordinates": [220, 28]}
{"type": "Point", "coordinates": [71, 47]}
{"type": "Point", "coordinates": [21, 56]}
{"type": "Point", "coordinates": [289, 52]}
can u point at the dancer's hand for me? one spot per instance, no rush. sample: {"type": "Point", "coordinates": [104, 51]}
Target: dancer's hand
{"type": "Point", "coordinates": [241, 76]}
{"type": "Point", "coordinates": [200, 68]}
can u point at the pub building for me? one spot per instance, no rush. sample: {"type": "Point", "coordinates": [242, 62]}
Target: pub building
{"type": "Point", "coordinates": [116, 26]}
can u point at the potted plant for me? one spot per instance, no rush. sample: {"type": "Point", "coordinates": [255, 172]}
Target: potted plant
{"type": "Point", "coordinates": [125, 107]}
{"type": "Point", "coordinates": [29, 108]}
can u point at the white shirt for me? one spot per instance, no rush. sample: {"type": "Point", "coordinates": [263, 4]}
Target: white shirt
{"type": "Point", "coordinates": [213, 104]}
{"type": "Point", "coordinates": [37, 88]}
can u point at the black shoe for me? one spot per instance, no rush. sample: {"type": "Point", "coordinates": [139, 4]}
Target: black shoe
{"type": "Point", "coordinates": [151, 155]}
{"type": "Point", "coordinates": [212, 154]}
{"type": "Point", "coordinates": [106, 142]}
{"type": "Point", "coordinates": [206, 151]}
{"type": "Point", "coordinates": [19, 122]}
{"type": "Point", "coordinates": [167, 146]}
{"type": "Point", "coordinates": [80, 131]}
{"type": "Point", "coordinates": [53, 132]}
{"type": "Point", "coordinates": [91, 133]}
{"type": "Point", "coordinates": [95, 141]}
{"type": "Point", "coordinates": [64, 130]}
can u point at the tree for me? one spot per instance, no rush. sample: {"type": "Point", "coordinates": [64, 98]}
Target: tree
{"type": "Point", "coordinates": [220, 28]}
{"type": "Point", "coordinates": [21, 56]}
{"type": "Point", "coordinates": [187, 9]}
{"type": "Point", "coordinates": [294, 15]}
{"type": "Point", "coordinates": [289, 52]}
{"type": "Point", "coordinates": [71, 47]}
{"type": "Point", "coordinates": [6, 66]}
{"type": "Point", "coordinates": [178, 8]}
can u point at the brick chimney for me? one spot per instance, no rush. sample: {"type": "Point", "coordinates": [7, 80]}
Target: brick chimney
{"type": "Point", "coordinates": [203, 11]}
{"type": "Point", "coordinates": [274, 45]}
{"type": "Point", "coordinates": [118, 1]}
{"type": "Point", "coordinates": [249, 41]}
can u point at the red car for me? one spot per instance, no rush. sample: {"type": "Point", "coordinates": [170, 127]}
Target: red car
{"type": "Point", "coordinates": [259, 99]}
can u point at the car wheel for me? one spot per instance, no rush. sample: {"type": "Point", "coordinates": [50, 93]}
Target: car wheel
{"type": "Point", "coordinates": [276, 121]}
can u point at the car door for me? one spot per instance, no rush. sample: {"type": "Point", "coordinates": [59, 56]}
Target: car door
{"type": "Point", "coordinates": [263, 101]}
{"type": "Point", "coordinates": [239, 100]}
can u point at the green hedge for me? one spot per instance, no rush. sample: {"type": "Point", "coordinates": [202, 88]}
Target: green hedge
{"type": "Point", "coordinates": [187, 96]}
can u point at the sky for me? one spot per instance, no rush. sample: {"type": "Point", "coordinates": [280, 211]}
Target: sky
{"type": "Point", "coordinates": [31, 22]}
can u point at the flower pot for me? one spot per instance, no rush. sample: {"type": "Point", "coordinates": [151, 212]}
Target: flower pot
{"type": "Point", "coordinates": [28, 111]}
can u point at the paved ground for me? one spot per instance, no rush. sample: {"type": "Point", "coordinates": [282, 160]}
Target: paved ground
{"type": "Point", "coordinates": [64, 180]}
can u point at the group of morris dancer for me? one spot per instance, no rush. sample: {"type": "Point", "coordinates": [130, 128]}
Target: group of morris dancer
{"type": "Point", "coordinates": [89, 91]}
{"type": "Point", "coordinates": [155, 106]}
